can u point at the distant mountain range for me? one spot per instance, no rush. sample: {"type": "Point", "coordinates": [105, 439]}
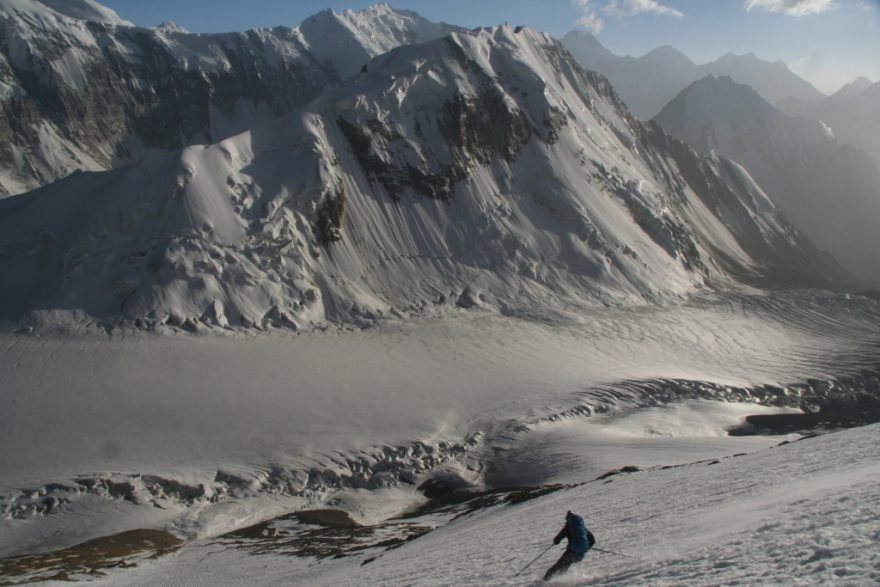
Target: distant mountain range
{"type": "Point", "coordinates": [852, 114]}
{"type": "Point", "coordinates": [82, 89]}
{"type": "Point", "coordinates": [649, 82]}
{"type": "Point", "coordinates": [829, 190]}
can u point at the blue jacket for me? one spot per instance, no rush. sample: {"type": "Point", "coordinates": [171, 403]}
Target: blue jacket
{"type": "Point", "coordinates": [576, 532]}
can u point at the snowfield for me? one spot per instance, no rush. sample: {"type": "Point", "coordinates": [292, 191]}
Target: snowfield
{"type": "Point", "coordinates": [806, 513]}
{"type": "Point", "coordinates": [221, 441]}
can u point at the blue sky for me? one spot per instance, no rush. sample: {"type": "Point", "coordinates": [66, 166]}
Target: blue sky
{"type": "Point", "coordinates": [828, 42]}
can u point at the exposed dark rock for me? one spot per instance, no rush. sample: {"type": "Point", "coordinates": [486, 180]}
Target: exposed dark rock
{"type": "Point", "coordinates": [330, 215]}
{"type": "Point", "coordinates": [833, 415]}
{"type": "Point", "coordinates": [612, 473]}
{"type": "Point", "coordinates": [368, 145]}
{"type": "Point", "coordinates": [482, 127]}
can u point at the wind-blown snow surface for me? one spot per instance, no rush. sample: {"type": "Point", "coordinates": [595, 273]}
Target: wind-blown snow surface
{"type": "Point", "coordinates": [807, 513]}
{"type": "Point", "coordinates": [202, 435]}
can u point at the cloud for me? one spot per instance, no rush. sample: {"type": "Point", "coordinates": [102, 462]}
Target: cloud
{"type": "Point", "coordinates": [590, 18]}
{"type": "Point", "coordinates": [624, 8]}
{"type": "Point", "coordinates": [791, 7]}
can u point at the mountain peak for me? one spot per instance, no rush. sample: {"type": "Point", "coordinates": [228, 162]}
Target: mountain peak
{"type": "Point", "coordinates": [716, 94]}
{"type": "Point", "coordinates": [378, 8]}
{"type": "Point", "coordinates": [169, 26]}
{"type": "Point", "coordinates": [853, 88]}
{"type": "Point", "coordinates": [667, 53]}
{"type": "Point", "coordinates": [589, 52]}
{"type": "Point", "coordinates": [581, 36]}
{"type": "Point", "coordinates": [349, 39]}
{"type": "Point", "coordinates": [773, 80]}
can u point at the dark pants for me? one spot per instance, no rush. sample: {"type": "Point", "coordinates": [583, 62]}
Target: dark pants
{"type": "Point", "coordinates": [567, 559]}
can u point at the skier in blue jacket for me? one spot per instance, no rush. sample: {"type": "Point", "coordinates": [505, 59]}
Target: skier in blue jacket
{"type": "Point", "coordinates": [580, 540]}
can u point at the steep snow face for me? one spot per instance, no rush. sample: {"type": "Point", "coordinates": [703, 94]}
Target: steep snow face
{"type": "Point", "coordinates": [482, 169]}
{"type": "Point", "coordinates": [81, 89]}
{"type": "Point", "coordinates": [831, 192]}
{"type": "Point", "coordinates": [648, 82]}
{"type": "Point", "coordinates": [86, 10]}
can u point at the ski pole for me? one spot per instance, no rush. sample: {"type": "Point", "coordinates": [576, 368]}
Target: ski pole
{"type": "Point", "coordinates": [611, 552]}
{"type": "Point", "coordinates": [536, 559]}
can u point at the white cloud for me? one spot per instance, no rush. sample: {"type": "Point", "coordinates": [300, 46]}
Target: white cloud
{"type": "Point", "coordinates": [791, 7]}
{"type": "Point", "coordinates": [624, 8]}
{"type": "Point", "coordinates": [590, 18]}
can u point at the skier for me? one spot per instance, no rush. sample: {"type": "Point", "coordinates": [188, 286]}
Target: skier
{"type": "Point", "coordinates": [580, 540]}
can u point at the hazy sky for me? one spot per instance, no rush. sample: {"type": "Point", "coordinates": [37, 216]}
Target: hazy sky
{"type": "Point", "coordinates": [828, 42]}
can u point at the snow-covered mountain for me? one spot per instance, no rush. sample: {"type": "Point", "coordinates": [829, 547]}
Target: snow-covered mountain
{"type": "Point", "coordinates": [649, 82]}
{"type": "Point", "coordinates": [483, 168]}
{"type": "Point", "coordinates": [852, 114]}
{"type": "Point", "coordinates": [830, 191]}
{"type": "Point", "coordinates": [82, 89]}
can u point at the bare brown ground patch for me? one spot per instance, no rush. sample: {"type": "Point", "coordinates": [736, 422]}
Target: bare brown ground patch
{"type": "Point", "coordinates": [90, 558]}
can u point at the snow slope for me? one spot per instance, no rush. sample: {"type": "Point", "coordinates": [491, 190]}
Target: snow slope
{"type": "Point", "coordinates": [828, 190]}
{"type": "Point", "coordinates": [482, 169]}
{"type": "Point", "coordinates": [82, 89]}
{"type": "Point", "coordinates": [89, 10]}
{"type": "Point", "coordinates": [805, 513]}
